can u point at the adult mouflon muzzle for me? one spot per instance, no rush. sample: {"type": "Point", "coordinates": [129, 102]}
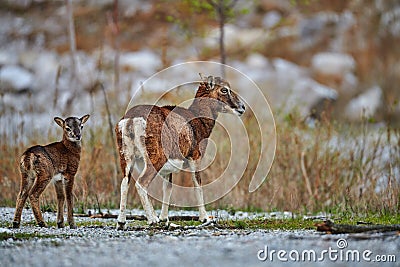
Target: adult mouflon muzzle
{"type": "Point", "coordinates": [240, 110]}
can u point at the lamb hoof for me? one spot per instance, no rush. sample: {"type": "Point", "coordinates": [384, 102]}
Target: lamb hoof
{"type": "Point", "coordinates": [60, 225]}
{"type": "Point", "coordinates": [72, 226]}
{"type": "Point", "coordinates": [16, 225]}
{"type": "Point", "coordinates": [42, 224]}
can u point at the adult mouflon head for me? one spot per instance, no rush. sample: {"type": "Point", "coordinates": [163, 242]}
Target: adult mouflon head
{"type": "Point", "coordinates": [220, 94]}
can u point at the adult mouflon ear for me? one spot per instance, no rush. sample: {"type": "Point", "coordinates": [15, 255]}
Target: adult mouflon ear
{"type": "Point", "coordinates": [210, 82]}
{"type": "Point", "coordinates": [59, 121]}
{"type": "Point", "coordinates": [203, 79]}
{"type": "Point", "coordinates": [84, 118]}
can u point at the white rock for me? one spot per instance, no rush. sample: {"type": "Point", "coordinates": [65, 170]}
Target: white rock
{"type": "Point", "coordinates": [86, 69]}
{"type": "Point", "coordinates": [287, 74]}
{"type": "Point", "coordinates": [15, 78]}
{"type": "Point", "coordinates": [44, 65]}
{"type": "Point", "coordinates": [20, 3]}
{"type": "Point", "coordinates": [290, 69]}
{"type": "Point", "coordinates": [311, 27]}
{"type": "Point", "coordinates": [5, 230]}
{"type": "Point", "coordinates": [332, 64]}
{"type": "Point", "coordinates": [306, 93]}
{"type": "Point", "coordinates": [318, 89]}
{"type": "Point", "coordinates": [349, 84]}
{"type": "Point", "coordinates": [131, 8]}
{"type": "Point", "coordinates": [365, 105]}
{"type": "Point", "coordinates": [256, 60]}
{"type": "Point", "coordinates": [144, 61]}
{"type": "Point", "coordinates": [28, 58]}
{"type": "Point", "coordinates": [98, 3]}
{"type": "Point", "coordinates": [271, 19]}
{"type": "Point", "coordinates": [286, 85]}
{"type": "Point", "coordinates": [236, 38]}
{"type": "Point", "coordinates": [8, 58]}
{"type": "Point", "coordinates": [283, 6]}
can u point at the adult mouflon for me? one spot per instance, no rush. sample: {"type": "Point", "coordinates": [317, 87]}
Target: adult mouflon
{"type": "Point", "coordinates": [163, 140]}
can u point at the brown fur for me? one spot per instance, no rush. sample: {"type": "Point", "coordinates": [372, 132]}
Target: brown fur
{"type": "Point", "coordinates": [183, 130]}
{"type": "Point", "coordinates": [39, 164]}
{"type": "Point", "coordinates": [176, 132]}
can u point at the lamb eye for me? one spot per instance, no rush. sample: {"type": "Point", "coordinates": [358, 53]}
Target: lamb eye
{"type": "Point", "coordinates": [67, 128]}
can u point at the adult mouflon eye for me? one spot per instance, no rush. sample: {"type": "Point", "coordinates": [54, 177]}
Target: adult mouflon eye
{"type": "Point", "coordinates": [224, 90]}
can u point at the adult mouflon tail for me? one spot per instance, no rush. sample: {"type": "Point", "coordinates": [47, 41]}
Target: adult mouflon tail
{"type": "Point", "coordinates": [59, 162]}
{"type": "Point", "coordinates": [162, 140]}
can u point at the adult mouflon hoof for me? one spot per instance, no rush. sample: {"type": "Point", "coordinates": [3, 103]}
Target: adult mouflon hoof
{"type": "Point", "coordinates": [121, 226]}
{"type": "Point", "coordinates": [164, 222]}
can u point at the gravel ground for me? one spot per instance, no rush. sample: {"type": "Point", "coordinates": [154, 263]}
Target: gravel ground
{"type": "Point", "coordinates": [102, 245]}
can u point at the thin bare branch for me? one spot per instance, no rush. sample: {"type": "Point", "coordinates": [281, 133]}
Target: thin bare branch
{"type": "Point", "coordinates": [332, 228]}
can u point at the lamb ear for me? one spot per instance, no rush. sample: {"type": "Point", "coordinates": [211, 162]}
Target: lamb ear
{"type": "Point", "coordinates": [59, 121]}
{"type": "Point", "coordinates": [84, 118]}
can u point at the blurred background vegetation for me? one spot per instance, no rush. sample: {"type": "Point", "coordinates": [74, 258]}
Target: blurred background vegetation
{"type": "Point", "coordinates": [330, 70]}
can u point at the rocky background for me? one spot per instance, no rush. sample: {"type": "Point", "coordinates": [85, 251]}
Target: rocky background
{"type": "Point", "coordinates": [302, 54]}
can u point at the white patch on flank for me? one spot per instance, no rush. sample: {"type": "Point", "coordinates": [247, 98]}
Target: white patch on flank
{"type": "Point", "coordinates": [139, 129]}
{"type": "Point", "coordinates": [5, 230]}
{"type": "Point", "coordinates": [139, 124]}
{"type": "Point", "coordinates": [127, 142]}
